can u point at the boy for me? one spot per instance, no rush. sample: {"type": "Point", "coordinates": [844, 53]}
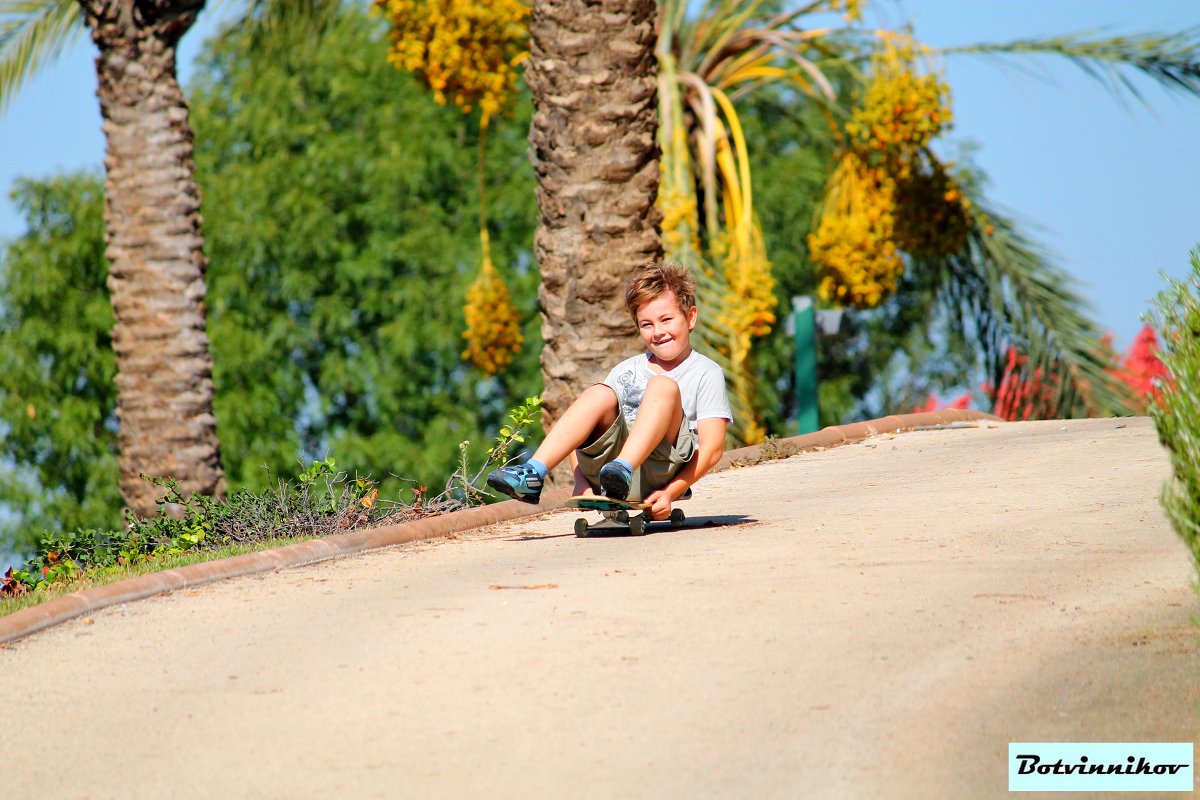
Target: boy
{"type": "Point", "coordinates": [656, 423]}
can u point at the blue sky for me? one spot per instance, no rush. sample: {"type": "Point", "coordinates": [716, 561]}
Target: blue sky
{"type": "Point", "coordinates": [1112, 191]}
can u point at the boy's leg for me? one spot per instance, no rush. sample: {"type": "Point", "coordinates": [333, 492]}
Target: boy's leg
{"type": "Point", "coordinates": [582, 486]}
{"type": "Point", "coordinates": [659, 419]}
{"type": "Point", "coordinates": [584, 421]}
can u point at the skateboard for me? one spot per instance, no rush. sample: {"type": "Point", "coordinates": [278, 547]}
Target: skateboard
{"type": "Point", "coordinates": [634, 515]}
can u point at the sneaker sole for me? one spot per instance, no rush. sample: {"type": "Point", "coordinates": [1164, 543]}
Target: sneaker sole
{"type": "Point", "coordinates": [505, 489]}
{"type": "Point", "coordinates": [613, 486]}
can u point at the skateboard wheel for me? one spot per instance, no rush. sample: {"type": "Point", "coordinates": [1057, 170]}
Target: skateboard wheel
{"type": "Point", "coordinates": [623, 517]}
{"type": "Point", "coordinates": [581, 527]}
{"type": "Point", "coordinates": [677, 517]}
{"type": "Point", "coordinates": [637, 525]}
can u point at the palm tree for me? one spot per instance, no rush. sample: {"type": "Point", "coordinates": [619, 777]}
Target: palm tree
{"type": "Point", "coordinates": [154, 241]}
{"type": "Point", "coordinates": [592, 73]}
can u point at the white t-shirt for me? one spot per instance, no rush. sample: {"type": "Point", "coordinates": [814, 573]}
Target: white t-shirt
{"type": "Point", "coordinates": [701, 386]}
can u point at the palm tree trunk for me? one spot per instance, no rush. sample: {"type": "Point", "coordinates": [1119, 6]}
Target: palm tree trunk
{"type": "Point", "coordinates": [155, 251]}
{"type": "Point", "coordinates": [593, 75]}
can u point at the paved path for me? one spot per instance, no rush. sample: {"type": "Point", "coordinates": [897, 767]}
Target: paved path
{"type": "Point", "coordinates": [875, 620]}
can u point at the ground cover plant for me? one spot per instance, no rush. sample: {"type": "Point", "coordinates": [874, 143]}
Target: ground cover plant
{"type": "Point", "coordinates": [321, 500]}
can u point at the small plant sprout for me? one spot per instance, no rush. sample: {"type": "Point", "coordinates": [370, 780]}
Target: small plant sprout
{"type": "Point", "coordinates": [520, 418]}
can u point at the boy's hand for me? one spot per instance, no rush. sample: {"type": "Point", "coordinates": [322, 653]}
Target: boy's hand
{"type": "Point", "coordinates": [660, 505]}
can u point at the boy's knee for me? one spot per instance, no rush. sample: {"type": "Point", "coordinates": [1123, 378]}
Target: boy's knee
{"type": "Point", "coordinates": [600, 393]}
{"type": "Point", "coordinates": [661, 383]}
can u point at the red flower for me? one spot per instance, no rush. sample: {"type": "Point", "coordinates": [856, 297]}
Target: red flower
{"type": "Point", "coordinates": [931, 404]}
{"type": "Point", "coordinates": [1142, 370]}
{"type": "Point", "coordinates": [1020, 397]}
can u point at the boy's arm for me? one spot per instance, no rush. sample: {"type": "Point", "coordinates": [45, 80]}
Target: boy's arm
{"type": "Point", "coordinates": [711, 432]}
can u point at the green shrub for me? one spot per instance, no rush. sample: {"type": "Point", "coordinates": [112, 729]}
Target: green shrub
{"type": "Point", "coordinates": [1176, 410]}
{"type": "Point", "coordinates": [321, 501]}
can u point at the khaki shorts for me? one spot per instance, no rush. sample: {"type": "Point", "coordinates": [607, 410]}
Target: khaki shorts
{"type": "Point", "coordinates": [657, 472]}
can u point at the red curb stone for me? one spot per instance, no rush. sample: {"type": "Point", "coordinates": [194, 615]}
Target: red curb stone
{"type": "Point", "coordinates": [30, 620]}
{"type": "Point", "coordinates": [831, 436]}
{"type": "Point", "coordinates": [890, 424]}
{"type": "Point", "coordinates": [857, 431]}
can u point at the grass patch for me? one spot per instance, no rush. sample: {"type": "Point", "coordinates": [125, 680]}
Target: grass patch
{"type": "Point", "coordinates": [91, 579]}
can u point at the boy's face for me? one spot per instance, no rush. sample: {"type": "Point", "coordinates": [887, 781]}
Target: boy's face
{"type": "Point", "coordinates": [666, 328]}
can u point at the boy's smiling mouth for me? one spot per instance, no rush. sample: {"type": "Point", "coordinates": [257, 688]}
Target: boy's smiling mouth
{"type": "Point", "coordinates": [664, 327]}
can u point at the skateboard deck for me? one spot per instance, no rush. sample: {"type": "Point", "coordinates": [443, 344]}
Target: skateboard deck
{"type": "Point", "coordinates": [634, 516]}
{"type": "Point", "coordinates": [601, 503]}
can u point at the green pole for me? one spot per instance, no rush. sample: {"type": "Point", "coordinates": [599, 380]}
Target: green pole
{"type": "Point", "coordinates": [804, 322]}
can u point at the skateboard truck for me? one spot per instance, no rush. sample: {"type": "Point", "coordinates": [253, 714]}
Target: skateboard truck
{"type": "Point", "coordinates": [635, 516]}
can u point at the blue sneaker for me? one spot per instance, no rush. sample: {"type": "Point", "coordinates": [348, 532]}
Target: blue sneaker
{"type": "Point", "coordinates": [615, 479]}
{"type": "Point", "coordinates": [519, 481]}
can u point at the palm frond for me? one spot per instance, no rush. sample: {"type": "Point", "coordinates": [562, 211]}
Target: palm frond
{"type": "Point", "coordinates": [726, 72]}
{"type": "Point", "coordinates": [724, 24]}
{"type": "Point", "coordinates": [1015, 296]}
{"type": "Point", "coordinates": [784, 44]}
{"type": "Point", "coordinates": [681, 228]}
{"type": "Point", "coordinates": [32, 34]}
{"type": "Point", "coordinates": [1172, 60]}
{"type": "Point", "coordinates": [704, 107]}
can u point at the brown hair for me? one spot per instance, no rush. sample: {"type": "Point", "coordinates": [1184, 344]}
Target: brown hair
{"type": "Point", "coordinates": [651, 281]}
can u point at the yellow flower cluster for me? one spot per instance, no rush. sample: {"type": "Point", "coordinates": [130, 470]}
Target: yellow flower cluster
{"type": "Point", "coordinates": [902, 111]}
{"type": "Point", "coordinates": [854, 244]}
{"type": "Point", "coordinates": [493, 331]}
{"type": "Point", "coordinates": [749, 307]}
{"type": "Point", "coordinates": [889, 193]}
{"type": "Point", "coordinates": [680, 225]}
{"type": "Point", "coordinates": [467, 51]}
{"type": "Point", "coordinates": [744, 310]}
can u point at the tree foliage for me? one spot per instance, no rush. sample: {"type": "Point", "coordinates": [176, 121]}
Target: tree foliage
{"type": "Point", "coordinates": [58, 460]}
{"type": "Point", "coordinates": [342, 219]}
{"type": "Point", "coordinates": [895, 216]}
{"type": "Point", "coordinates": [898, 353]}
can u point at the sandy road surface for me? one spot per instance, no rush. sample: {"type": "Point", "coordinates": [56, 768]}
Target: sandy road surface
{"type": "Point", "coordinates": [875, 620]}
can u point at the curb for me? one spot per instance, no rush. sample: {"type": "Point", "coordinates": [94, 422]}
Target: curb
{"type": "Point", "coordinates": [834, 435]}
{"type": "Point", "coordinates": [31, 620]}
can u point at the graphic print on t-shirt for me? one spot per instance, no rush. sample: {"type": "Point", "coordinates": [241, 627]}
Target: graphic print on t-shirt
{"type": "Point", "coordinates": [700, 380]}
{"type": "Point", "coordinates": [633, 387]}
